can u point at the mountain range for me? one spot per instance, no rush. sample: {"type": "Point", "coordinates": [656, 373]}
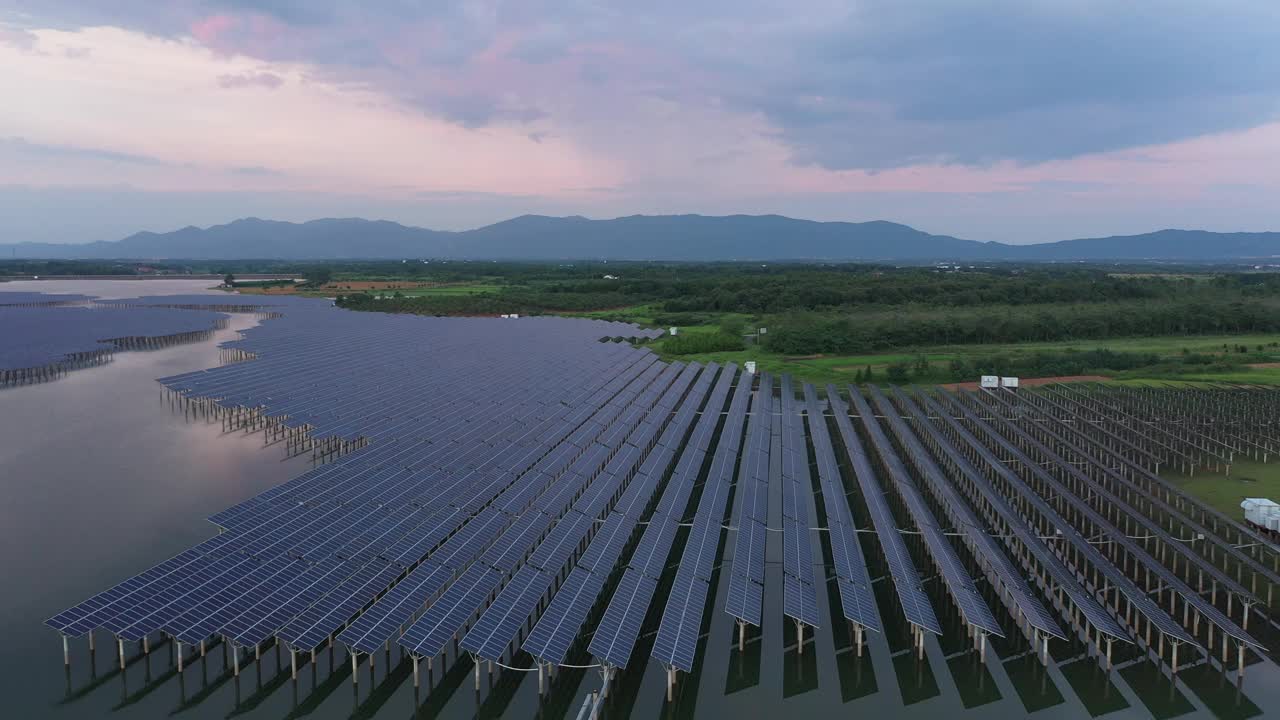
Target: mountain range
{"type": "Point", "coordinates": [639, 237]}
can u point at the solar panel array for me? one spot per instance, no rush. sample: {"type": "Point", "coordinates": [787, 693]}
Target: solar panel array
{"type": "Point", "coordinates": [507, 481]}
{"type": "Point", "coordinates": [619, 628]}
{"type": "Point", "coordinates": [746, 573]}
{"type": "Point", "coordinates": [1062, 576]}
{"type": "Point", "coordinates": [36, 299]}
{"type": "Point", "coordinates": [681, 624]}
{"type": "Point", "coordinates": [552, 637]}
{"type": "Point", "coordinates": [60, 335]}
{"type": "Point", "coordinates": [1140, 600]}
{"type": "Point", "coordinates": [956, 577]}
{"type": "Point", "coordinates": [906, 579]}
{"type": "Point", "coordinates": [1150, 609]}
{"type": "Point", "coordinates": [963, 519]}
{"type": "Point", "coordinates": [857, 599]}
{"type": "Point", "coordinates": [800, 596]}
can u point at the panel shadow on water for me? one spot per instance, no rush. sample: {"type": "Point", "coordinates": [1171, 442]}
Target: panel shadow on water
{"type": "Point", "coordinates": [1161, 697]}
{"type": "Point", "coordinates": [1093, 686]}
{"type": "Point", "coordinates": [1031, 680]}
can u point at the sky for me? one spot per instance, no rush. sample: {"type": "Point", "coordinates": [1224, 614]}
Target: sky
{"type": "Point", "coordinates": [1012, 120]}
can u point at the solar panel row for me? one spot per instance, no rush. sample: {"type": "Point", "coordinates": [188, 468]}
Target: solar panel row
{"type": "Point", "coordinates": [681, 622]}
{"type": "Point", "coordinates": [906, 580]}
{"type": "Point", "coordinates": [956, 577]}
{"type": "Point", "coordinates": [746, 574]}
{"type": "Point", "coordinates": [853, 580]}
{"type": "Point", "coordinates": [551, 639]}
{"type": "Point", "coordinates": [1139, 599]}
{"type": "Point", "coordinates": [618, 631]}
{"type": "Point", "coordinates": [799, 599]}
{"type": "Point", "coordinates": [1025, 535]}
{"type": "Point", "coordinates": [962, 518]}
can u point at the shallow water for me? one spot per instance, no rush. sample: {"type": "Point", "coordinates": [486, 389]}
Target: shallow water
{"type": "Point", "coordinates": [101, 479]}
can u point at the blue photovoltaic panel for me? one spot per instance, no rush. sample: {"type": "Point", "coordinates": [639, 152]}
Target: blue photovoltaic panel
{"type": "Point", "coordinates": [677, 639]}
{"type": "Point", "coordinates": [906, 580]}
{"type": "Point", "coordinates": [558, 627]}
{"type": "Point", "coordinates": [445, 618]}
{"type": "Point", "coordinates": [383, 620]}
{"type": "Point", "coordinates": [496, 629]}
{"type": "Point", "coordinates": [954, 574]}
{"type": "Point", "coordinates": [962, 517]}
{"type": "Point", "coordinates": [336, 608]}
{"type": "Point", "coordinates": [799, 600]}
{"type": "Point", "coordinates": [619, 628]}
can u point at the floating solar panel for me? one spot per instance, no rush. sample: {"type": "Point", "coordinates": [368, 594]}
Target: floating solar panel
{"type": "Point", "coordinates": [956, 577]}
{"type": "Point", "coordinates": [906, 580]}
{"type": "Point", "coordinates": [442, 621]}
{"type": "Point", "coordinates": [1064, 577]}
{"type": "Point", "coordinates": [677, 640]}
{"type": "Point", "coordinates": [382, 621]}
{"type": "Point", "coordinates": [496, 629]}
{"type": "Point", "coordinates": [962, 517]}
{"type": "Point", "coordinates": [746, 579]}
{"type": "Point", "coordinates": [619, 628]}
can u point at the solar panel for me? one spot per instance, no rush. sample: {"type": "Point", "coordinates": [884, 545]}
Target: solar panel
{"type": "Point", "coordinates": [442, 621]}
{"type": "Point", "coordinates": [496, 629]}
{"type": "Point", "coordinates": [677, 639]}
{"type": "Point", "coordinates": [619, 629]}
{"type": "Point", "coordinates": [906, 580]}
{"type": "Point", "coordinates": [383, 620]}
{"type": "Point", "coordinates": [556, 630]}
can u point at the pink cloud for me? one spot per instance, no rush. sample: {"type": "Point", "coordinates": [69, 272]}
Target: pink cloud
{"type": "Point", "coordinates": [208, 30]}
{"type": "Point", "coordinates": [271, 81]}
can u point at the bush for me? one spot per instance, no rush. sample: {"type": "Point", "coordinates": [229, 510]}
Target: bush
{"type": "Point", "coordinates": [694, 343]}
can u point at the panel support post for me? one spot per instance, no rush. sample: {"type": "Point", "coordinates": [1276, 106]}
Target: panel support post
{"type": "Point", "coordinates": [66, 652]}
{"type": "Point", "coordinates": [671, 683]}
{"type": "Point", "coordinates": [235, 660]}
{"type": "Point", "coordinates": [120, 644]}
{"type": "Point", "coordinates": [179, 647]}
{"type": "Point", "coordinates": [477, 664]}
{"type": "Point", "coordinates": [416, 680]}
{"type": "Point", "coordinates": [541, 679]}
{"type": "Point", "coordinates": [293, 663]}
{"type": "Point", "coordinates": [799, 638]}
{"type": "Point", "coordinates": [355, 674]}
{"type": "Point", "coordinates": [742, 637]}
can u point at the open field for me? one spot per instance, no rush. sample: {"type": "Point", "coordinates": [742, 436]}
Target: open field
{"type": "Point", "coordinates": [1224, 492]}
{"type": "Point", "coordinates": [842, 368]}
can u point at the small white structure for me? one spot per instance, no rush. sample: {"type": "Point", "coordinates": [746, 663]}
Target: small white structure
{"type": "Point", "coordinates": [515, 316]}
{"type": "Point", "coordinates": [1262, 513]}
{"type": "Point", "coordinates": [1009, 382]}
{"type": "Point", "coordinates": [990, 381]}
{"type": "Point", "coordinates": [763, 331]}
{"type": "Point", "coordinates": [674, 331]}
{"type": "Point", "coordinates": [750, 367]}
{"type": "Point", "coordinates": [610, 277]}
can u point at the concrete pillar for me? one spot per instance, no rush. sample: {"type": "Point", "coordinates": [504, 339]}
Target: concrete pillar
{"type": "Point", "coordinates": [355, 675]}
{"type": "Point", "coordinates": [66, 652]}
{"type": "Point", "coordinates": [293, 663]}
{"type": "Point", "coordinates": [120, 644]}
{"type": "Point", "coordinates": [416, 680]}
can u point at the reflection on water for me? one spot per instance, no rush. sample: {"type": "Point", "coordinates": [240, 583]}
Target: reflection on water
{"type": "Point", "coordinates": [100, 480]}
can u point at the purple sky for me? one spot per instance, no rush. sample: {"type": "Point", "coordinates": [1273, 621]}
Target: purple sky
{"type": "Point", "coordinates": [1014, 120]}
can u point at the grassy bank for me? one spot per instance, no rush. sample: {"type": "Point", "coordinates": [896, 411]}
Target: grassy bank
{"type": "Point", "coordinates": [1224, 492]}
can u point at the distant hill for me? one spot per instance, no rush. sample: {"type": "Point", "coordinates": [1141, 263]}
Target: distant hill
{"type": "Point", "coordinates": [640, 237]}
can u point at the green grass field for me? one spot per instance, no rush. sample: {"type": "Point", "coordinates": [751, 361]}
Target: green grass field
{"type": "Point", "coordinates": [444, 290]}
{"type": "Point", "coordinates": [1224, 492]}
{"type": "Point", "coordinates": [841, 368]}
